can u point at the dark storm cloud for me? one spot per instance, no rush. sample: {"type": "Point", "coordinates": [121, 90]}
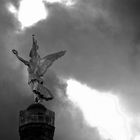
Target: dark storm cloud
{"type": "Point", "coordinates": [127, 13]}
{"type": "Point", "coordinates": [126, 9]}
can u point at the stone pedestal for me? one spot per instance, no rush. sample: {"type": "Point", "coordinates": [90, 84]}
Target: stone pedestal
{"type": "Point", "coordinates": [36, 123]}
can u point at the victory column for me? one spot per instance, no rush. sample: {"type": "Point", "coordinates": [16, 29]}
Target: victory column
{"type": "Point", "coordinates": [37, 122]}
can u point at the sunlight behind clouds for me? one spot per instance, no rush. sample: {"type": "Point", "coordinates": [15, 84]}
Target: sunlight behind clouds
{"type": "Point", "coordinates": [31, 12]}
{"type": "Point", "coordinates": [101, 110]}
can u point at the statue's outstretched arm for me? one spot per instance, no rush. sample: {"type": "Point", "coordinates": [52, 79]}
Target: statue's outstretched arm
{"type": "Point", "coordinates": [21, 59]}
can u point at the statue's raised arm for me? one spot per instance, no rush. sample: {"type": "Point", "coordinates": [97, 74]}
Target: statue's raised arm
{"type": "Point", "coordinates": [33, 52]}
{"type": "Point", "coordinates": [20, 58]}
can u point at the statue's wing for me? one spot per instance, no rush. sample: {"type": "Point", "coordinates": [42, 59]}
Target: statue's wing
{"type": "Point", "coordinates": [48, 60]}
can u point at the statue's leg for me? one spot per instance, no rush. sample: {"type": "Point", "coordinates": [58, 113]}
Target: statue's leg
{"type": "Point", "coordinates": [34, 86]}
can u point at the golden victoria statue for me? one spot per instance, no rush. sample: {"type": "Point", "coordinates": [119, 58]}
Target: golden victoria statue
{"type": "Point", "coordinates": [37, 67]}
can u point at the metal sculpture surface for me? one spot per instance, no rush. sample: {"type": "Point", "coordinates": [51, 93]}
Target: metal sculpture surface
{"type": "Point", "coordinates": [37, 67]}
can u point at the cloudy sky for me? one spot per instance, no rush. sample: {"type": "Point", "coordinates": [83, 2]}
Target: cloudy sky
{"type": "Point", "coordinates": [96, 84]}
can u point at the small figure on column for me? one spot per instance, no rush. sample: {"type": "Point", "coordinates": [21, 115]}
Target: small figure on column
{"type": "Point", "coordinates": [37, 67]}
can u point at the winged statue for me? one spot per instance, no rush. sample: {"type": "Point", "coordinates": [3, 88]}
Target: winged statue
{"type": "Point", "coordinates": [37, 67]}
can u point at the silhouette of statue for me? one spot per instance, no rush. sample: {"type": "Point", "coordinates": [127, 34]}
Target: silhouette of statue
{"type": "Point", "coordinates": [37, 67]}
